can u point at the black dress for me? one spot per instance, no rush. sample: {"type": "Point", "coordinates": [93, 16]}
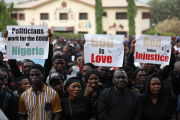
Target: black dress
{"type": "Point", "coordinates": [81, 109]}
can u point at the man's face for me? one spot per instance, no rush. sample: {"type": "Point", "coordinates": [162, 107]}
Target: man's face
{"type": "Point", "coordinates": [150, 67]}
{"type": "Point", "coordinates": [120, 79]}
{"type": "Point", "coordinates": [26, 67]}
{"type": "Point", "coordinates": [36, 77]}
{"type": "Point", "coordinates": [85, 69]}
{"type": "Point", "coordinates": [24, 85]}
{"type": "Point", "coordinates": [59, 65]}
{"type": "Point", "coordinates": [57, 85]}
{"type": "Point", "coordinates": [5, 85]}
{"type": "Point", "coordinates": [104, 71]}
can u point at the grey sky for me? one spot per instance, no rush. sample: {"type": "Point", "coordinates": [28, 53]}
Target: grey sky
{"type": "Point", "coordinates": [16, 1]}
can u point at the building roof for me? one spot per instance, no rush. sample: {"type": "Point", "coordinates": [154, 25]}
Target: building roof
{"type": "Point", "coordinates": [105, 3]}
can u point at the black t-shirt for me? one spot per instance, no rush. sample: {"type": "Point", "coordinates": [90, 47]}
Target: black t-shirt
{"type": "Point", "coordinates": [139, 86]}
{"type": "Point", "coordinates": [158, 111]}
{"type": "Point", "coordinates": [107, 82]}
{"type": "Point", "coordinates": [166, 83]}
{"type": "Point", "coordinates": [81, 109]}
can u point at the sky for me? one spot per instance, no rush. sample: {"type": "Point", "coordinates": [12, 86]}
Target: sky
{"type": "Point", "coordinates": [16, 1]}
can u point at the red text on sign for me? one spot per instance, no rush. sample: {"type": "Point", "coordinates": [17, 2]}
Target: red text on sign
{"type": "Point", "coordinates": [101, 59]}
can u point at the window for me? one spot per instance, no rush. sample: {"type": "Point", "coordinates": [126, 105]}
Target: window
{"type": "Point", "coordinates": [121, 15]}
{"type": "Point", "coordinates": [146, 15]}
{"type": "Point", "coordinates": [105, 14]}
{"type": "Point", "coordinates": [14, 15]}
{"type": "Point", "coordinates": [83, 32]}
{"type": "Point", "coordinates": [122, 33]}
{"type": "Point", "coordinates": [44, 16]}
{"type": "Point", "coordinates": [22, 16]}
{"type": "Point", "coordinates": [83, 16]}
{"type": "Point", "coordinates": [63, 16]}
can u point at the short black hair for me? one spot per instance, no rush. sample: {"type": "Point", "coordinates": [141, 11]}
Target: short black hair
{"type": "Point", "coordinates": [90, 65]}
{"type": "Point", "coordinates": [6, 70]}
{"type": "Point", "coordinates": [120, 69]}
{"type": "Point", "coordinates": [18, 80]}
{"type": "Point", "coordinates": [37, 66]}
{"type": "Point", "coordinates": [128, 70]}
{"type": "Point", "coordinates": [58, 57]}
{"type": "Point", "coordinates": [27, 60]}
{"type": "Point", "coordinates": [53, 80]}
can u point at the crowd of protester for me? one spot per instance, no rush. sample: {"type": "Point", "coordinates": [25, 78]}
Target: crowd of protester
{"type": "Point", "coordinates": [66, 88]}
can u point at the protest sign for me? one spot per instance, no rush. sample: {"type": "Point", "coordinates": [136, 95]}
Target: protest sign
{"type": "Point", "coordinates": [27, 42]}
{"type": "Point", "coordinates": [2, 45]}
{"type": "Point", "coordinates": [104, 50]}
{"type": "Point", "coordinates": [153, 49]}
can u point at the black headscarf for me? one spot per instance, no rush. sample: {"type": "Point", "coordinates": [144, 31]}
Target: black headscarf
{"type": "Point", "coordinates": [70, 81]}
{"type": "Point", "coordinates": [92, 71]}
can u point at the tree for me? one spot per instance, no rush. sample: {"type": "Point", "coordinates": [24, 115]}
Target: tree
{"type": "Point", "coordinates": [99, 14]}
{"type": "Point", "coordinates": [132, 11]}
{"type": "Point", "coordinates": [5, 18]}
{"type": "Point", "coordinates": [163, 9]}
{"type": "Point", "coordinates": [169, 26]}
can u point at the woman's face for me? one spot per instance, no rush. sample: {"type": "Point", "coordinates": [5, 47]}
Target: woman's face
{"type": "Point", "coordinates": [74, 89]}
{"type": "Point", "coordinates": [93, 80]}
{"type": "Point", "coordinates": [155, 86]}
{"type": "Point", "coordinates": [140, 77]}
{"type": "Point", "coordinates": [85, 69]}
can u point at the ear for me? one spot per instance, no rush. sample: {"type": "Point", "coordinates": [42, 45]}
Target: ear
{"type": "Point", "coordinates": [68, 88]}
{"type": "Point", "coordinates": [43, 75]}
{"type": "Point", "coordinates": [18, 87]}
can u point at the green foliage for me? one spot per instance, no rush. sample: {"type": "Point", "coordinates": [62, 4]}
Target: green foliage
{"type": "Point", "coordinates": [10, 9]}
{"type": "Point", "coordinates": [163, 9]}
{"type": "Point", "coordinates": [99, 14]}
{"type": "Point", "coordinates": [161, 34]}
{"type": "Point", "coordinates": [66, 35]}
{"type": "Point", "coordinates": [5, 18]}
{"type": "Point", "coordinates": [132, 11]}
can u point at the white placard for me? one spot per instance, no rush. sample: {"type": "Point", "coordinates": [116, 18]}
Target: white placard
{"type": "Point", "coordinates": [27, 42]}
{"type": "Point", "coordinates": [104, 50]}
{"type": "Point", "coordinates": [2, 45]}
{"type": "Point", "coordinates": [153, 49]}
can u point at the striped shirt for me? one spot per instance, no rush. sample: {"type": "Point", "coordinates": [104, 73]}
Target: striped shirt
{"type": "Point", "coordinates": [41, 105]}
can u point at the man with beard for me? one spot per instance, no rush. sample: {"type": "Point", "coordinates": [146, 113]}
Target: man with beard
{"type": "Point", "coordinates": [119, 102]}
{"type": "Point", "coordinates": [106, 80]}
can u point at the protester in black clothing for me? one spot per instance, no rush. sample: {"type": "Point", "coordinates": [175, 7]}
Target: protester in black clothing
{"type": "Point", "coordinates": [7, 103]}
{"type": "Point", "coordinates": [119, 102]}
{"type": "Point", "coordinates": [56, 81]}
{"type": "Point", "coordinates": [93, 90]}
{"type": "Point", "coordinates": [130, 76]}
{"type": "Point", "coordinates": [85, 68]}
{"type": "Point", "coordinates": [139, 79]}
{"type": "Point", "coordinates": [7, 76]}
{"type": "Point", "coordinates": [76, 107]}
{"type": "Point", "coordinates": [156, 105]}
{"type": "Point", "coordinates": [106, 80]}
{"type": "Point", "coordinates": [68, 56]}
{"type": "Point", "coordinates": [167, 82]}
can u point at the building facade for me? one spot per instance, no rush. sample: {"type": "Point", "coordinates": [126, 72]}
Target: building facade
{"type": "Point", "coordinates": [78, 16]}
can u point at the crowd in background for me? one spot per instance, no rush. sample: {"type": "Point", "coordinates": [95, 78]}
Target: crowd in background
{"type": "Point", "coordinates": [67, 88]}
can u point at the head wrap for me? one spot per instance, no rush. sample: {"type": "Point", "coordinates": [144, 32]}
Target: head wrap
{"type": "Point", "coordinates": [92, 71]}
{"type": "Point", "coordinates": [70, 81]}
